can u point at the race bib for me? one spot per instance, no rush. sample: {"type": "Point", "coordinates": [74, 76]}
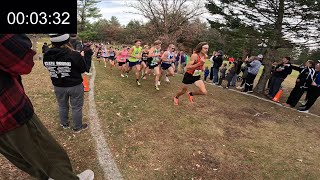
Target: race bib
{"type": "Point", "coordinates": [197, 73]}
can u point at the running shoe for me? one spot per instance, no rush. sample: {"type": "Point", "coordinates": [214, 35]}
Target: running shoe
{"type": "Point", "coordinates": [167, 79]}
{"type": "Point", "coordinates": [190, 97]}
{"type": "Point", "coordinates": [175, 101]}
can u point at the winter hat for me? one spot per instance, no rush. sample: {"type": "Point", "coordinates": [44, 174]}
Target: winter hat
{"type": "Point", "coordinates": [59, 39]}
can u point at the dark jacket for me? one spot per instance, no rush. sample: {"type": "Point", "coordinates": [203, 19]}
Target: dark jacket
{"type": "Point", "coordinates": [87, 53]}
{"type": "Point", "coordinates": [183, 59]}
{"type": "Point", "coordinates": [76, 44]}
{"type": "Point", "coordinates": [217, 61]}
{"type": "Point", "coordinates": [238, 66]}
{"type": "Point", "coordinates": [65, 66]}
{"type": "Point", "coordinates": [305, 77]}
{"type": "Point", "coordinates": [282, 70]}
{"type": "Point", "coordinates": [45, 48]}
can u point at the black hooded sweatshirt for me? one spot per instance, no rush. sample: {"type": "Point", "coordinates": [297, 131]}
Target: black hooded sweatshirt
{"type": "Point", "coordinates": [65, 66]}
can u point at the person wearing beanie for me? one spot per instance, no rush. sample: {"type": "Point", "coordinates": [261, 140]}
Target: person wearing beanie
{"type": "Point", "coordinates": [65, 66]}
{"type": "Point", "coordinates": [24, 140]}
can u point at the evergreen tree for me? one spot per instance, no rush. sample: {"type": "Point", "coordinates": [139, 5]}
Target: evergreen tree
{"type": "Point", "coordinates": [277, 23]}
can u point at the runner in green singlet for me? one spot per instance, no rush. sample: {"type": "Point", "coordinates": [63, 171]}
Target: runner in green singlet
{"type": "Point", "coordinates": [134, 59]}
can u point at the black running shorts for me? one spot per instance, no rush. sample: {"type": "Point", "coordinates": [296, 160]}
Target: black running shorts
{"type": "Point", "coordinates": [190, 79]}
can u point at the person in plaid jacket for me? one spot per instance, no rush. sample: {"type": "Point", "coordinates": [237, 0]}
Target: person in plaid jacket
{"type": "Point", "coordinates": [24, 140]}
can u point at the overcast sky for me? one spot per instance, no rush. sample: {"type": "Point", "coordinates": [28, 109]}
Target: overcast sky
{"type": "Point", "coordinates": [119, 9]}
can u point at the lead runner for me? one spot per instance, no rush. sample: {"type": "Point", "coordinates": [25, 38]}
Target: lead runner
{"type": "Point", "coordinates": [193, 74]}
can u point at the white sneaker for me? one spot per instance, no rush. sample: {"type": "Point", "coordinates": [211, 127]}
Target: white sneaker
{"type": "Point", "coordinates": [158, 83]}
{"type": "Point", "coordinates": [303, 111]}
{"type": "Point", "coordinates": [239, 87]}
{"type": "Point", "coordinates": [167, 79]}
{"type": "Point", "coordinates": [85, 175]}
{"type": "Point", "coordinates": [122, 75]}
{"type": "Point", "coordinates": [105, 66]}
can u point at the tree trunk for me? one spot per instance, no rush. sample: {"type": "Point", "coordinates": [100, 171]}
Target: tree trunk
{"type": "Point", "coordinates": [261, 86]}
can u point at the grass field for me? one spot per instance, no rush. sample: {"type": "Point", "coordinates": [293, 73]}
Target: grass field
{"type": "Point", "coordinates": [224, 135]}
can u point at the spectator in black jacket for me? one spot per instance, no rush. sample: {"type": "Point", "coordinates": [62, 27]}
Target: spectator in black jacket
{"type": "Point", "coordinates": [280, 73]}
{"type": "Point", "coordinates": [88, 53]}
{"type": "Point", "coordinates": [313, 91]}
{"type": "Point", "coordinates": [303, 82]}
{"type": "Point", "coordinates": [217, 62]}
{"type": "Point", "coordinates": [75, 43]}
{"type": "Point", "coordinates": [65, 66]}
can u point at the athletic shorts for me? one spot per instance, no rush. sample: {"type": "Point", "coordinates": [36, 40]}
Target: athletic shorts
{"type": "Point", "coordinates": [111, 58]}
{"type": "Point", "coordinates": [131, 64]}
{"type": "Point", "coordinates": [190, 79]}
{"type": "Point", "coordinates": [152, 66]}
{"type": "Point", "coordinates": [121, 63]}
{"type": "Point", "coordinates": [127, 60]}
{"type": "Point", "coordinates": [165, 66]}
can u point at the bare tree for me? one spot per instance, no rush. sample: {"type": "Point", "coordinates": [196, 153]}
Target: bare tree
{"type": "Point", "coordinates": [168, 16]}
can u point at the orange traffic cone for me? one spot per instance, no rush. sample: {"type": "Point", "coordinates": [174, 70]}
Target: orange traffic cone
{"type": "Point", "coordinates": [85, 83]}
{"type": "Point", "coordinates": [276, 98]}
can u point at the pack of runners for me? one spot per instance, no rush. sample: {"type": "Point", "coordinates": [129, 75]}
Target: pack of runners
{"type": "Point", "coordinates": [144, 60]}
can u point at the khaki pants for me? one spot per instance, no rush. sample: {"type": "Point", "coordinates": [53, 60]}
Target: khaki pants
{"type": "Point", "coordinates": [32, 149]}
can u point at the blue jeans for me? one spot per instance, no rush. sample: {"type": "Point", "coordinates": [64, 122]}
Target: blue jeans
{"type": "Point", "coordinates": [215, 75]}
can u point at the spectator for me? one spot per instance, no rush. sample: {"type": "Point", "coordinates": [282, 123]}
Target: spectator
{"type": "Point", "coordinates": [180, 59]}
{"type": "Point", "coordinates": [24, 140]}
{"type": "Point", "coordinates": [254, 64]}
{"type": "Point", "coordinates": [75, 43]}
{"type": "Point", "coordinates": [65, 66]}
{"type": "Point", "coordinates": [313, 91]}
{"type": "Point", "coordinates": [206, 73]}
{"type": "Point", "coordinates": [303, 82]}
{"type": "Point", "coordinates": [217, 62]}
{"type": "Point", "coordinates": [222, 71]}
{"type": "Point", "coordinates": [231, 72]}
{"type": "Point", "coordinates": [88, 52]}
{"type": "Point", "coordinates": [214, 54]}
{"type": "Point", "coordinates": [280, 73]}
{"type": "Point", "coordinates": [237, 64]}
{"type": "Point", "coordinates": [244, 70]}
{"type": "Point", "coordinates": [45, 48]}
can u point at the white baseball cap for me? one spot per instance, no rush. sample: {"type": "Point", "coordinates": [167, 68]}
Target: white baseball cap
{"type": "Point", "coordinates": [260, 56]}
